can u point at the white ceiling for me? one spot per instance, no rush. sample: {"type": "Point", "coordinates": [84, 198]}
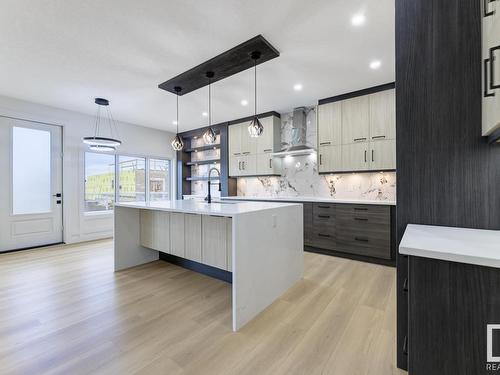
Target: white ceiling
{"type": "Point", "coordinates": [64, 53]}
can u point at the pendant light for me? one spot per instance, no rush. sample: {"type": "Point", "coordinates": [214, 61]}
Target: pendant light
{"type": "Point", "coordinates": [97, 142]}
{"type": "Point", "coordinates": [209, 136]}
{"type": "Point", "coordinates": [177, 143]}
{"type": "Point", "coordinates": [255, 129]}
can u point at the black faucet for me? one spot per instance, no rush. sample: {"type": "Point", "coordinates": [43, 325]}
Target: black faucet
{"type": "Point", "coordinates": [209, 196]}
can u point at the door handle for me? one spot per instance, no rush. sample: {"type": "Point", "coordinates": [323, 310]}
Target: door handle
{"type": "Point", "coordinates": [372, 156]}
{"type": "Point", "coordinates": [239, 165]}
{"type": "Point", "coordinates": [325, 143]}
{"type": "Point", "coordinates": [359, 139]}
{"type": "Point", "coordinates": [379, 137]}
{"type": "Point", "coordinates": [365, 156]}
{"type": "Point", "coordinates": [405, 285]}
{"type": "Point", "coordinates": [487, 13]}
{"type": "Point", "coordinates": [486, 80]}
{"type": "Point", "coordinates": [360, 219]}
{"type": "Point", "coordinates": [492, 68]}
{"type": "Point", "coordinates": [360, 239]}
{"type": "Point", "coordinates": [320, 159]}
{"type": "Point", "coordinates": [323, 235]}
{"type": "Point", "coordinates": [270, 163]}
{"type": "Point", "coordinates": [58, 201]}
{"type": "Point", "coordinates": [268, 150]}
{"type": "Point", "coordinates": [324, 216]}
{"type": "Point", "coordinates": [405, 346]}
{"type": "Point", "coordinates": [58, 195]}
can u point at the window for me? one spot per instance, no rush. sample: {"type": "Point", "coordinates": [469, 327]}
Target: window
{"type": "Point", "coordinates": [159, 179]}
{"type": "Point", "coordinates": [99, 182]}
{"type": "Point", "coordinates": [132, 179]}
{"type": "Point", "coordinates": [31, 185]}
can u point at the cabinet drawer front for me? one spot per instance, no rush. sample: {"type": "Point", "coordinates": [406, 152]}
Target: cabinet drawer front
{"type": "Point", "coordinates": [323, 240]}
{"type": "Point", "coordinates": [356, 247]}
{"type": "Point", "coordinates": [368, 239]}
{"type": "Point", "coordinates": [324, 209]}
{"type": "Point", "coordinates": [369, 213]}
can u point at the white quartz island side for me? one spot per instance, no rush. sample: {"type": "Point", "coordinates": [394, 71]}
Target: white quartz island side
{"type": "Point", "coordinates": [261, 243]}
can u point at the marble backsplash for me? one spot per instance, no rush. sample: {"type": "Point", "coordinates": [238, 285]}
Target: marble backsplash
{"type": "Point", "coordinates": [300, 175]}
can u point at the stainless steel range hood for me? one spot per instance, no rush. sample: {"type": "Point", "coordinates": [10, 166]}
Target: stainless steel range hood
{"type": "Point", "coordinates": [298, 142]}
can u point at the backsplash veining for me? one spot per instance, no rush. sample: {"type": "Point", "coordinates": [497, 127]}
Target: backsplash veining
{"type": "Point", "coordinates": [300, 175]}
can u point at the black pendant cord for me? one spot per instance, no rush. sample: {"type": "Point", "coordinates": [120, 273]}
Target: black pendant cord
{"type": "Point", "coordinates": [255, 88]}
{"type": "Point", "coordinates": [177, 117]}
{"type": "Point", "coordinates": [209, 103]}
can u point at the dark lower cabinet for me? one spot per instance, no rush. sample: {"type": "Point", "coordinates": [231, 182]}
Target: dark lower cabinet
{"type": "Point", "coordinates": [450, 308]}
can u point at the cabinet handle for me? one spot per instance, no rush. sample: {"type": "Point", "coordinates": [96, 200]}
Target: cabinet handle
{"type": "Point", "coordinates": [246, 152]}
{"type": "Point", "coordinates": [320, 206]}
{"type": "Point", "coordinates": [379, 137]}
{"type": "Point", "coordinates": [372, 156]}
{"type": "Point", "coordinates": [359, 139]}
{"type": "Point", "coordinates": [324, 216]}
{"type": "Point", "coordinates": [323, 235]}
{"type": "Point", "coordinates": [360, 239]}
{"type": "Point", "coordinates": [270, 163]}
{"type": "Point", "coordinates": [405, 346]}
{"type": "Point", "coordinates": [325, 143]}
{"type": "Point", "coordinates": [243, 164]}
{"type": "Point", "coordinates": [492, 68]}
{"type": "Point", "coordinates": [237, 153]}
{"type": "Point", "coordinates": [360, 219]}
{"type": "Point", "coordinates": [485, 8]}
{"type": "Point", "coordinates": [360, 209]}
{"type": "Point", "coordinates": [486, 81]}
{"type": "Point", "coordinates": [268, 150]}
{"type": "Point", "coordinates": [365, 156]}
{"type": "Point", "coordinates": [405, 285]}
{"type": "Point", "coordinates": [320, 159]}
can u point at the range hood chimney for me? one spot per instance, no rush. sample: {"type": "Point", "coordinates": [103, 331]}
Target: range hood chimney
{"type": "Point", "coordinates": [298, 142]}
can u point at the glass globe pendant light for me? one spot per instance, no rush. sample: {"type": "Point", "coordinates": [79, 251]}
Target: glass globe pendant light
{"type": "Point", "coordinates": [255, 129]}
{"type": "Point", "coordinates": [177, 143]}
{"type": "Point", "coordinates": [209, 136]}
{"type": "Point", "coordinates": [97, 142]}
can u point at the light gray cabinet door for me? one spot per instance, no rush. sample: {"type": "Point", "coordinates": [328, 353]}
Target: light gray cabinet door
{"type": "Point", "coordinates": [248, 144]}
{"type": "Point", "coordinates": [154, 231]}
{"type": "Point", "coordinates": [192, 237]}
{"type": "Point", "coordinates": [248, 165]}
{"type": "Point", "coordinates": [355, 157]}
{"type": "Point", "coordinates": [234, 140]}
{"type": "Point", "coordinates": [330, 124]}
{"type": "Point", "coordinates": [267, 164]}
{"type": "Point", "coordinates": [383, 154]}
{"type": "Point", "coordinates": [214, 244]}
{"type": "Point", "coordinates": [356, 120]}
{"type": "Point", "coordinates": [265, 143]}
{"type": "Point", "coordinates": [229, 243]}
{"type": "Point", "coordinates": [383, 115]}
{"type": "Point", "coordinates": [177, 234]}
{"type": "Point", "coordinates": [329, 159]}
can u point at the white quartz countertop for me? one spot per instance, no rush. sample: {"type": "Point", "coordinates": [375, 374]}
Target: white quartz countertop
{"type": "Point", "coordinates": [312, 199]}
{"type": "Point", "coordinates": [228, 209]}
{"type": "Point", "coordinates": [462, 245]}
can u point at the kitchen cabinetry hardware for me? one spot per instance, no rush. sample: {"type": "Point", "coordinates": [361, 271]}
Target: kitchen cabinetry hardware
{"type": "Point", "coordinates": [58, 201]}
{"type": "Point", "coordinates": [360, 219]}
{"type": "Point", "coordinates": [324, 216]}
{"type": "Point", "coordinates": [373, 159]}
{"type": "Point", "coordinates": [365, 157]}
{"type": "Point", "coordinates": [361, 239]}
{"type": "Point", "coordinates": [246, 153]}
{"type": "Point", "coordinates": [325, 143]}
{"type": "Point", "coordinates": [321, 206]}
{"type": "Point", "coordinates": [405, 285]}
{"type": "Point", "coordinates": [270, 163]}
{"type": "Point", "coordinates": [359, 139]}
{"type": "Point", "coordinates": [492, 59]}
{"type": "Point", "coordinates": [320, 159]}
{"type": "Point", "coordinates": [360, 209]}
{"type": "Point", "coordinates": [379, 137]}
{"type": "Point", "coordinates": [486, 12]}
{"type": "Point", "coordinates": [268, 150]}
{"type": "Point", "coordinates": [405, 346]}
{"type": "Point", "coordinates": [486, 80]}
{"type": "Point", "coordinates": [323, 235]}
{"type": "Point", "coordinates": [57, 195]}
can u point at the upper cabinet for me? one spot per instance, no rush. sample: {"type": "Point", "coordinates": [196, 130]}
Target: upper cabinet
{"type": "Point", "coordinates": [356, 120]}
{"type": "Point", "coordinates": [250, 156]}
{"type": "Point", "coordinates": [491, 67]}
{"type": "Point", "coordinates": [330, 131]}
{"type": "Point", "coordinates": [383, 115]}
{"type": "Point", "coordinates": [358, 134]}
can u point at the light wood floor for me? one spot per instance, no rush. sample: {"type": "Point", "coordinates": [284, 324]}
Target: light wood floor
{"type": "Point", "coordinates": [64, 311]}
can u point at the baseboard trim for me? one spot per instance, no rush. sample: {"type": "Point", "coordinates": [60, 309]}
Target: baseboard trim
{"type": "Point", "coordinates": [361, 258]}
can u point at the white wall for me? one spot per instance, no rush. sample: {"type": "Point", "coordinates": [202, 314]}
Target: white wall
{"type": "Point", "coordinates": [136, 140]}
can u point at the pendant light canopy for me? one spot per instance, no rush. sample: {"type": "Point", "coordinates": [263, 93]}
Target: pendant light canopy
{"type": "Point", "coordinates": [177, 143]}
{"type": "Point", "coordinates": [255, 129]}
{"type": "Point", "coordinates": [97, 142]}
{"type": "Point", "coordinates": [209, 136]}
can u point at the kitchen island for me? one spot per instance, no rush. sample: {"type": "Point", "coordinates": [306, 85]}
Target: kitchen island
{"type": "Point", "coordinates": [260, 243]}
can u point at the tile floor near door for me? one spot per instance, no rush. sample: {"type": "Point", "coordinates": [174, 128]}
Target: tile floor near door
{"type": "Point", "coordinates": [64, 311]}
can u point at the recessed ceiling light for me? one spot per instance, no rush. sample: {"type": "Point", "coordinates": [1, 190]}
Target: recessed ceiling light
{"type": "Point", "coordinates": [244, 102]}
{"type": "Point", "coordinates": [358, 19]}
{"type": "Point", "coordinates": [297, 87]}
{"type": "Point", "coordinates": [174, 122]}
{"type": "Point", "coordinates": [375, 64]}
{"type": "Point", "coordinates": [204, 114]}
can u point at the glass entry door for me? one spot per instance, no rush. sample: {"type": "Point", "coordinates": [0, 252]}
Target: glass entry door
{"type": "Point", "coordinates": [30, 185]}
